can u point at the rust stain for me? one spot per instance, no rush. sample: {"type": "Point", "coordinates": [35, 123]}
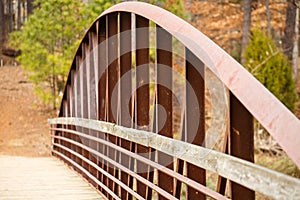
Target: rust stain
{"type": "Point", "coordinates": [236, 131]}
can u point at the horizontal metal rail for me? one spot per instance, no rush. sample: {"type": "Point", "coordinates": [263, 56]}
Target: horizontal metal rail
{"type": "Point", "coordinates": [95, 166]}
{"type": "Point", "coordinates": [245, 173]}
{"type": "Point", "coordinates": [153, 186]}
{"type": "Point", "coordinates": [85, 172]}
{"type": "Point", "coordinates": [159, 167]}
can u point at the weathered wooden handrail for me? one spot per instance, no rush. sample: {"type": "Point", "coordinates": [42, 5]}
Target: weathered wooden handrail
{"type": "Point", "coordinates": [245, 173]}
{"type": "Point", "coordinates": [132, 119]}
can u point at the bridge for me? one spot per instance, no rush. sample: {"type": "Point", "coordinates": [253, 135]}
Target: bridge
{"type": "Point", "coordinates": [152, 107]}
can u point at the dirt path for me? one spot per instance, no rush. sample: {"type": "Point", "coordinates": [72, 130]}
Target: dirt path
{"type": "Point", "coordinates": [23, 125]}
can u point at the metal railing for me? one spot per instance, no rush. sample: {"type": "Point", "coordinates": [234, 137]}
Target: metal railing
{"type": "Point", "coordinates": [145, 110]}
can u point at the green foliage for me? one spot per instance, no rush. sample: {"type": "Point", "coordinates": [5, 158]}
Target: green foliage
{"type": "Point", "coordinates": [96, 7]}
{"type": "Point", "coordinates": [49, 40]}
{"type": "Point", "coordinates": [174, 6]}
{"type": "Point", "coordinates": [268, 64]}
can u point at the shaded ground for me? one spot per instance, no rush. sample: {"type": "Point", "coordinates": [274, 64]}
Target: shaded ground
{"type": "Point", "coordinates": [23, 124]}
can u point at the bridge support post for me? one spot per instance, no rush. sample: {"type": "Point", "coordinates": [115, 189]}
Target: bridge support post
{"type": "Point", "coordinates": [241, 143]}
{"type": "Point", "coordinates": [195, 112]}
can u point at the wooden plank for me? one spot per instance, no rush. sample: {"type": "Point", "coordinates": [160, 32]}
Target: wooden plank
{"type": "Point", "coordinates": [41, 178]}
{"type": "Point", "coordinates": [248, 174]}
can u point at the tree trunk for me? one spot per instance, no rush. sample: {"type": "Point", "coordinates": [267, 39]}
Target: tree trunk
{"type": "Point", "coordinates": [289, 31]}
{"type": "Point", "coordinates": [29, 7]}
{"type": "Point", "coordinates": [19, 14]}
{"type": "Point", "coordinates": [246, 27]}
{"type": "Point", "coordinates": [2, 25]}
{"type": "Point", "coordinates": [295, 46]}
{"type": "Point", "coordinates": [24, 11]}
{"type": "Point", "coordinates": [268, 17]}
{"type": "Point", "coordinates": [10, 16]}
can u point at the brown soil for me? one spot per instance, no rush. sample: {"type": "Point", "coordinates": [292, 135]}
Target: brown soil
{"type": "Point", "coordinates": [221, 20]}
{"type": "Point", "coordinates": [23, 123]}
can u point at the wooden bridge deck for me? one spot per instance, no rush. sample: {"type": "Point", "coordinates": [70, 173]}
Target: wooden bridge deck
{"type": "Point", "coordinates": [41, 178]}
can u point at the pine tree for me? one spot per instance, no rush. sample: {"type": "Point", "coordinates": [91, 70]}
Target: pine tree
{"type": "Point", "coordinates": [269, 65]}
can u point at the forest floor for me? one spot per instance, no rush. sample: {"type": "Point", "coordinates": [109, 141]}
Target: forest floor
{"type": "Point", "coordinates": [23, 122]}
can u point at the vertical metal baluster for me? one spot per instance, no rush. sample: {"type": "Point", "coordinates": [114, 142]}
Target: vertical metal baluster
{"type": "Point", "coordinates": [95, 98]}
{"type": "Point", "coordinates": [125, 92]}
{"type": "Point", "coordinates": [113, 76]}
{"type": "Point", "coordinates": [142, 94]}
{"type": "Point", "coordinates": [164, 98]}
{"type": "Point", "coordinates": [180, 163]}
{"type": "Point", "coordinates": [132, 163]}
{"type": "Point", "coordinates": [91, 97]}
{"type": "Point", "coordinates": [95, 61]}
{"type": "Point", "coordinates": [84, 102]}
{"type": "Point", "coordinates": [195, 110]}
{"type": "Point", "coordinates": [152, 151]}
{"type": "Point", "coordinates": [55, 140]}
{"type": "Point", "coordinates": [74, 83]}
{"type": "Point", "coordinates": [241, 142]}
{"type": "Point", "coordinates": [62, 133]}
{"type": "Point", "coordinates": [102, 85]}
{"type": "Point", "coordinates": [78, 103]}
{"type": "Point", "coordinates": [72, 101]}
{"type": "Point", "coordinates": [79, 100]}
{"type": "Point", "coordinates": [88, 92]}
{"type": "Point", "coordinates": [68, 113]}
{"type": "Point", "coordinates": [222, 182]}
{"type": "Point", "coordinates": [73, 137]}
{"type": "Point", "coordinates": [95, 43]}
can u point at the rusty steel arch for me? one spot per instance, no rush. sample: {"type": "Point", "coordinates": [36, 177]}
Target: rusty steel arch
{"type": "Point", "coordinates": [110, 81]}
{"type": "Point", "coordinates": [280, 122]}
